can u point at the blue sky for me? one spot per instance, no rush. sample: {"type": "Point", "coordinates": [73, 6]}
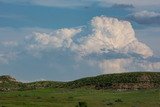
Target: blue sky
{"type": "Point", "coordinates": [69, 39]}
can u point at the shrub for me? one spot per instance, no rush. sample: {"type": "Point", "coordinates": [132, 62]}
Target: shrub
{"type": "Point", "coordinates": [81, 104]}
{"type": "Point", "coordinates": [109, 103]}
{"type": "Point", "coordinates": [38, 97]}
{"type": "Point", "coordinates": [118, 100]}
{"type": "Point", "coordinates": [52, 97]}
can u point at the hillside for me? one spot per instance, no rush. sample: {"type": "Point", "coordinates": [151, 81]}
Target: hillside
{"type": "Point", "coordinates": [134, 80]}
{"type": "Point", "coordinates": [121, 81]}
{"type": "Point", "coordinates": [8, 83]}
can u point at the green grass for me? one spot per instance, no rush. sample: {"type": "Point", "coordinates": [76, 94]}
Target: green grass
{"type": "Point", "coordinates": [83, 91]}
{"type": "Point", "coordinates": [71, 97]}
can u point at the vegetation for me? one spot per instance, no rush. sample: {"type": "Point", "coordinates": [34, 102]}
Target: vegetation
{"type": "Point", "coordinates": [82, 104]}
{"type": "Point", "coordinates": [80, 97]}
{"type": "Point", "coordinates": [122, 81]}
{"type": "Point", "coordinates": [112, 90]}
{"type": "Point", "coordinates": [106, 81]}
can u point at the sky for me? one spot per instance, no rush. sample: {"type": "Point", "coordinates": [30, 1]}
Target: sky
{"type": "Point", "coordinates": [64, 40]}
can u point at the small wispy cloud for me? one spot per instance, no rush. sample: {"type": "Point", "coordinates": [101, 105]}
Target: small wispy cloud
{"type": "Point", "coordinates": [52, 3]}
{"type": "Point", "coordinates": [135, 3]}
{"type": "Point", "coordinates": [145, 17]}
{"type": "Point", "coordinates": [79, 3]}
{"type": "Point", "coordinates": [123, 6]}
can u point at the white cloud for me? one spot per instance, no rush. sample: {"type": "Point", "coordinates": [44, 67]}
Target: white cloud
{"type": "Point", "coordinates": [148, 66]}
{"type": "Point", "coordinates": [126, 65]}
{"type": "Point", "coordinates": [145, 17]}
{"type": "Point", "coordinates": [9, 43]}
{"type": "Point", "coordinates": [144, 14]}
{"type": "Point", "coordinates": [6, 57]}
{"type": "Point", "coordinates": [7, 51]}
{"type": "Point", "coordinates": [133, 2]}
{"type": "Point", "coordinates": [107, 36]}
{"type": "Point", "coordinates": [61, 38]}
{"type": "Point", "coordinates": [138, 48]}
{"type": "Point", "coordinates": [114, 65]}
{"type": "Point", "coordinates": [111, 34]}
{"type": "Point", "coordinates": [18, 34]}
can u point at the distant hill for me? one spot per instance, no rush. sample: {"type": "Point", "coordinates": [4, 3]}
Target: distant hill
{"type": "Point", "coordinates": [121, 81]}
{"type": "Point", "coordinates": [8, 83]}
{"type": "Point", "coordinates": [134, 80]}
{"type": "Point", "coordinates": [7, 78]}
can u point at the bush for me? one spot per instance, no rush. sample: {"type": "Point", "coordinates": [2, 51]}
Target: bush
{"type": "Point", "coordinates": [38, 97]}
{"type": "Point", "coordinates": [52, 97]}
{"type": "Point", "coordinates": [81, 104]}
{"type": "Point", "coordinates": [109, 103]}
{"type": "Point", "coordinates": [118, 100]}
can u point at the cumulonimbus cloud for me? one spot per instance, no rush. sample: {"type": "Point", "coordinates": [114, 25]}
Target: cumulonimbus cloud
{"type": "Point", "coordinates": [111, 34]}
{"type": "Point", "coordinates": [108, 34]}
{"type": "Point", "coordinates": [111, 39]}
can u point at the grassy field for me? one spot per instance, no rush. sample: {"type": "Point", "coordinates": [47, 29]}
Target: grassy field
{"type": "Point", "coordinates": [71, 97]}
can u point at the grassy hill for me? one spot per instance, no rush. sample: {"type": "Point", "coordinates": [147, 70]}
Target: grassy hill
{"type": "Point", "coordinates": [99, 91]}
{"type": "Point", "coordinates": [134, 80]}
{"type": "Point", "coordinates": [121, 81]}
{"type": "Point", "coordinates": [8, 83]}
